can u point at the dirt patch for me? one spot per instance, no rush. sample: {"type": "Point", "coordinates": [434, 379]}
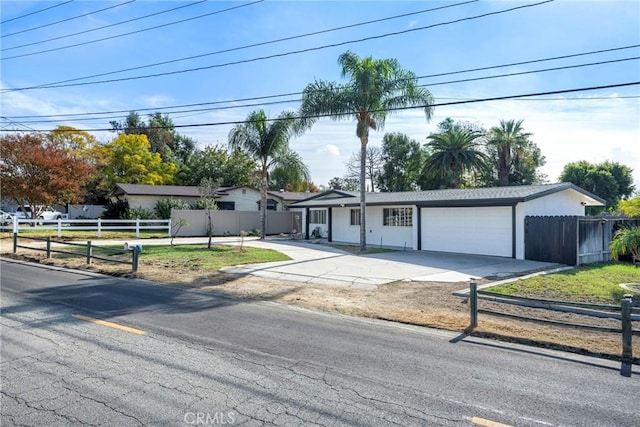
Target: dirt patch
{"type": "Point", "coordinates": [420, 303]}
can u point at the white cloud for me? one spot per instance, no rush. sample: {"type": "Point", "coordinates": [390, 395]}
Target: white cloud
{"type": "Point", "coordinates": [330, 149]}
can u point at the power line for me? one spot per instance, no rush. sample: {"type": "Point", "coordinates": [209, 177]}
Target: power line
{"type": "Point", "coordinates": [290, 101]}
{"type": "Point", "coordinates": [49, 85]}
{"type": "Point", "coordinates": [566, 67]}
{"type": "Point", "coordinates": [260, 44]}
{"type": "Point", "coordinates": [131, 32]}
{"type": "Point", "coordinates": [37, 11]}
{"type": "Point", "coordinates": [442, 104]}
{"type": "Point", "coordinates": [66, 20]}
{"type": "Point", "coordinates": [300, 93]}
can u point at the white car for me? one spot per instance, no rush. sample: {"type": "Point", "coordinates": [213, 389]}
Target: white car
{"type": "Point", "coordinates": [48, 214]}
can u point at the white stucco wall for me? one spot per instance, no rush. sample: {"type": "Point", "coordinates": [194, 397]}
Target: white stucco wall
{"type": "Point", "coordinates": [379, 234]}
{"type": "Point", "coordinates": [343, 231]}
{"type": "Point", "coordinates": [562, 203]}
{"type": "Point", "coordinates": [390, 236]}
{"type": "Point", "coordinates": [246, 199]}
{"type": "Point", "coordinates": [566, 202]}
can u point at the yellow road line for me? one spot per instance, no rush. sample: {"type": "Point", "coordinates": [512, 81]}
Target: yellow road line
{"type": "Point", "coordinates": [487, 423]}
{"type": "Point", "coordinates": [109, 324]}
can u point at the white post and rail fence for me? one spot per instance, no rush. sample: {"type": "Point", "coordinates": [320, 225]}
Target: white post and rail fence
{"type": "Point", "coordinates": [16, 225]}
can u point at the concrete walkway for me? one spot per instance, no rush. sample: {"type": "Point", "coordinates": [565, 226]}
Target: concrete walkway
{"type": "Point", "coordinates": [327, 265]}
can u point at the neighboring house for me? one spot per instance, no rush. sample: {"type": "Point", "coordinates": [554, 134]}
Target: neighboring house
{"type": "Point", "coordinates": [486, 221]}
{"type": "Point", "coordinates": [227, 198]}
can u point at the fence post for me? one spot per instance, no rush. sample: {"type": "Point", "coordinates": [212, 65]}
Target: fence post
{"type": "Point", "coordinates": [48, 246]}
{"type": "Point", "coordinates": [15, 242]}
{"type": "Point", "coordinates": [59, 228]}
{"type": "Point", "coordinates": [134, 259]}
{"type": "Point", "coordinates": [473, 303]}
{"type": "Point", "coordinates": [169, 227]}
{"type": "Point", "coordinates": [89, 252]}
{"type": "Point", "coordinates": [99, 228]}
{"type": "Point", "coordinates": [137, 228]}
{"type": "Point", "coordinates": [627, 352]}
{"type": "Point", "coordinates": [15, 225]}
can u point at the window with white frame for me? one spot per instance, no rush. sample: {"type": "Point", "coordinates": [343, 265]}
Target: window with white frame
{"type": "Point", "coordinates": [318, 216]}
{"type": "Point", "coordinates": [355, 217]}
{"type": "Point", "coordinates": [397, 217]}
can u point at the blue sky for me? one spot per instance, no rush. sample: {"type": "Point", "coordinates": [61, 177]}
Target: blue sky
{"type": "Point", "coordinates": [591, 125]}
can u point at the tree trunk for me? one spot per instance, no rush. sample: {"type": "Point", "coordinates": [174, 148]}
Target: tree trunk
{"type": "Point", "coordinates": [363, 187]}
{"type": "Point", "coordinates": [504, 169]}
{"type": "Point", "coordinates": [263, 202]}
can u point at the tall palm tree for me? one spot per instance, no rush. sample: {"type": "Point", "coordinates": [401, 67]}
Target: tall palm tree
{"type": "Point", "coordinates": [267, 141]}
{"type": "Point", "coordinates": [375, 88]}
{"type": "Point", "coordinates": [510, 140]}
{"type": "Point", "coordinates": [454, 152]}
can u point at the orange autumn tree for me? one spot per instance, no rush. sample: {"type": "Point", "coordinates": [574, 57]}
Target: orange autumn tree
{"type": "Point", "coordinates": [38, 173]}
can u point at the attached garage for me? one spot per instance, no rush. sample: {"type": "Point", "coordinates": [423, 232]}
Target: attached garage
{"type": "Point", "coordinates": [468, 230]}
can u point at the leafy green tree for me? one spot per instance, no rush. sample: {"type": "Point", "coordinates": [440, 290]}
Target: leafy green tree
{"type": "Point", "coordinates": [163, 207]}
{"type": "Point", "coordinates": [160, 132]}
{"type": "Point", "coordinates": [374, 89]}
{"type": "Point", "coordinates": [267, 142]}
{"type": "Point", "coordinates": [630, 207]}
{"type": "Point", "coordinates": [403, 162]}
{"type": "Point", "coordinates": [454, 153]}
{"type": "Point", "coordinates": [228, 167]}
{"type": "Point", "coordinates": [626, 241]}
{"type": "Point", "coordinates": [289, 171]}
{"type": "Point", "coordinates": [609, 180]}
{"type": "Point", "coordinates": [128, 160]}
{"type": "Point", "coordinates": [510, 141]}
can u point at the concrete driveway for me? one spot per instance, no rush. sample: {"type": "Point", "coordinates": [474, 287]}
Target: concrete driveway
{"type": "Point", "coordinates": [326, 265]}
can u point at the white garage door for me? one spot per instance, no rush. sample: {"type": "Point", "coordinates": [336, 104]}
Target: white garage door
{"type": "Point", "coordinates": [484, 231]}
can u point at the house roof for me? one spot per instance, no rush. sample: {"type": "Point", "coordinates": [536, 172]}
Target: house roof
{"type": "Point", "coordinates": [193, 191]}
{"type": "Point", "coordinates": [490, 196]}
{"type": "Point", "coordinates": [290, 196]}
{"type": "Point", "coordinates": [156, 190]}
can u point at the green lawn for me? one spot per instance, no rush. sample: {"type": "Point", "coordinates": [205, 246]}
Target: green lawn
{"type": "Point", "coordinates": [595, 283]}
{"type": "Point", "coordinates": [198, 256]}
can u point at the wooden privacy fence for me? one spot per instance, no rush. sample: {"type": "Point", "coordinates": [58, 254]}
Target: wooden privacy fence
{"type": "Point", "coordinates": [571, 240]}
{"type": "Point", "coordinates": [88, 251]}
{"type": "Point", "coordinates": [626, 313]}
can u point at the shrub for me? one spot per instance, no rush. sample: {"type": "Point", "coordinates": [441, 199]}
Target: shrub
{"type": "Point", "coordinates": [116, 210]}
{"type": "Point", "coordinates": [163, 207]}
{"type": "Point", "coordinates": [205, 203]}
{"type": "Point", "coordinates": [140, 213]}
{"type": "Point", "coordinates": [626, 242]}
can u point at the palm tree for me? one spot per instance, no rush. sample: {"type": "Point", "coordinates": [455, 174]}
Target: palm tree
{"type": "Point", "coordinates": [454, 152]}
{"type": "Point", "coordinates": [626, 241]}
{"type": "Point", "coordinates": [376, 88]}
{"type": "Point", "coordinates": [510, 139]}
{"type": "Point", "coordinates": [267, 141]}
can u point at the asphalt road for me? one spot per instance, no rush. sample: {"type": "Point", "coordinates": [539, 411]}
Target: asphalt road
{"type": "Point", "coordinates": [202, 359]}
